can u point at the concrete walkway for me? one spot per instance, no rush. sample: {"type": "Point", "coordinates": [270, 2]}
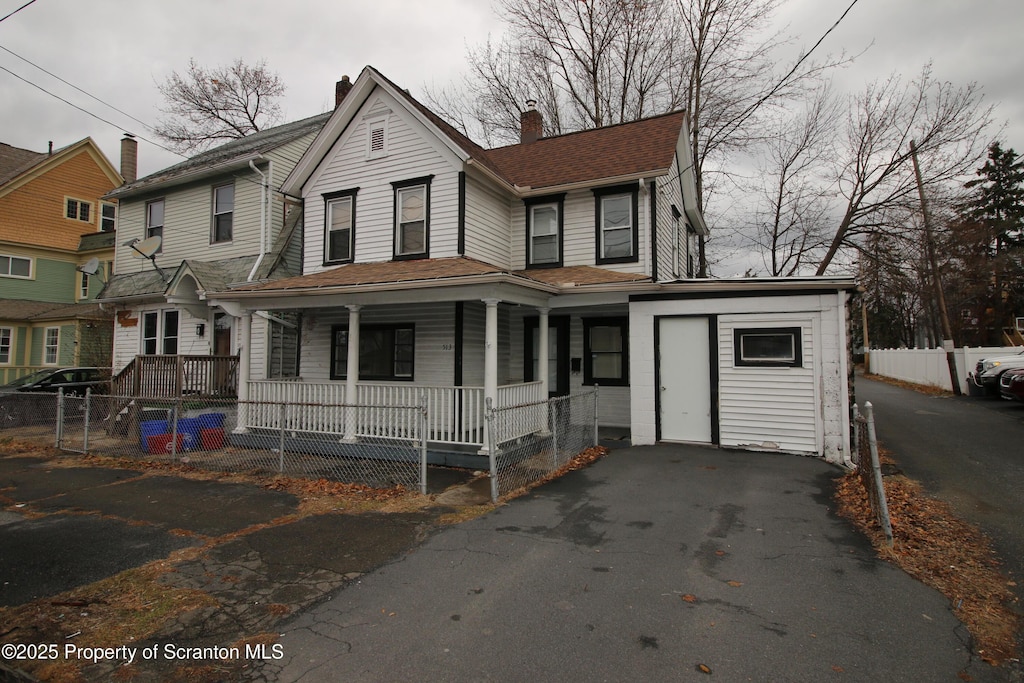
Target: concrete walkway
{"type": "Point", "coordinates": [649, 565]}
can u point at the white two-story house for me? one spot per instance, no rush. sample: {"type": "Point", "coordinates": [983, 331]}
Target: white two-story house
{"type": "Point", "coordinates": [434, 269]}
{"type": "Point", "coordinates": [210, 222]}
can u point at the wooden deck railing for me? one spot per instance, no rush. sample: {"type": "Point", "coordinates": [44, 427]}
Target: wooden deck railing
{"type": "Point", "coordinates": [170, 376]}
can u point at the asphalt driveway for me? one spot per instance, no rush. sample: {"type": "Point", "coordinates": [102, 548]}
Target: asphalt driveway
{"type": "Point", "coordinates": [658, 563]}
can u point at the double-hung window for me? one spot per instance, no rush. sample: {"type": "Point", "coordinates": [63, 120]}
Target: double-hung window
{"type": "Point", "coordinates": [160, 332]}
{"type": "Point", "coordinates": [544, 231]}
{"type": "Point", "coordinates": [340, 217]}
{"type": "Point", "coordinates": [223, 213]}
{"type": "Point", "coordinates": [283, 355]}
{"type": "Point", "coordinates": [412, 218]}
{"type": "Point", "coordinates": [15, 266]}
{"type": "Point", "coordinates": [51, 344]}
{"type": "Point", "coordinates": [767, 347]}
{"type": "Point", "coordinates": [617, 214]}
{"type": "Point", "coordinates": [6, 339]}
{"type": "Point", "coordinates": [78, 210]}
{"type": "Point", "coordinates": [386, 352]}
{"type": "Point", "coordinates": [155, 218]}
{"type": "Point", "coordinates": [606, 351]}
{"type": "Point", "coordinates": [108, 217]}
{"type": "Point", "coordinates": [83, 290]}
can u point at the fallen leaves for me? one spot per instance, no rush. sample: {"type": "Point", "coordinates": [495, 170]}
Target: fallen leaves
{"type": "Point", "coordinates": [734, 584]}
{"type": "Point", "coordinates": [944, 552]}
{"type": "Point", "coordinates": [692, 599]}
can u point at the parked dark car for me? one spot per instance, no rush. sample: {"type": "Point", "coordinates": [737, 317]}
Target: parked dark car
{"type": "Point", "coordinates": [30, 400]}
{"type": "Point", "coordinates": [72, 380]}
{"type": "Point", "coordinates": [1011, 385]}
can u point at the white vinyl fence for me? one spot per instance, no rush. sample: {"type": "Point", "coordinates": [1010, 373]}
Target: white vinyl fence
{"type": "Point", "coordinates": [929, 366]}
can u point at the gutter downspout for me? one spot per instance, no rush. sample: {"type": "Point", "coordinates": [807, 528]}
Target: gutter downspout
{"type": "Point", "coordinates": [263, 220]}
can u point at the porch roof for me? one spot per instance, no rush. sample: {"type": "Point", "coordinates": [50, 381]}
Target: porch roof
{"type": "Point", "coordinates": [28, 311]}
{"type": "Point", "coordinates": [443, 272]}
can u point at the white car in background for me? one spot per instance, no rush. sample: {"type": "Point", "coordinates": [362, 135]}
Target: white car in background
{"type": "Point", "coordinates": [988, 371]}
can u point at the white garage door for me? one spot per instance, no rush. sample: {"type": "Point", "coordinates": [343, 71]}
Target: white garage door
{"type": "Point", "coordinates": [684, 379]}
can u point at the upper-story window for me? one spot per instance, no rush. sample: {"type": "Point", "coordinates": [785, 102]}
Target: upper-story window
{"type": "Point", "coordinates": [83, 289]}
{"type": "Point", "coordinates": [412, 218]}
{"type": "Point", "coordinates": [223, 213]}
{"type": "Point", "coordinates": [15, 266]}
{"type": "Point", "coordinates": [108, 217]}
{"type": "Point", "coordinates": [155, 218]}
{"type": "Point", "coordinates": [377, 137]}
{"type": "Point", "coordinates": [617, 215]}
{"type": "Point", "coordinates": [78, 210]}
{"type": "Point", "coordinates": [340, 217]}
{"type": "Point", "coordinates": [544, 231]}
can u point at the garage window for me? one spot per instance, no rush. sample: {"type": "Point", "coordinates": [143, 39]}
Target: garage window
{"type": "Point", "coordinates": [768, 347]}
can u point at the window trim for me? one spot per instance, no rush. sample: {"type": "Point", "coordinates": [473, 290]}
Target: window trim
{"type": "Point", "coordinates": [795, 332]}
{"type": "Point", "coordinates": [215, 214]}
{"type": "Point", "coordinates": [79, 205]}
{"type": "Point", "coordinates": [104, 218]}
{"type": "Point", "coordinates": [363, 329]}
{"type": "Point", "coordinates": [622, 322]}
{"type": "Point", "coordinates": [151, 230]}
{"type": "Point", "coordinates": [31, 267]}
{"type": "Point", "coordinates": [161, 338]}
{"type": "Point", "coordinates": [83, 286]}
{"type": "Point", "coordinates": [398, 188]}
{"type": "Point", "coordinates": [47, 346]}
{"type": "Point", "coordinates": [6, 349]}
{"type": "Point", "coordinates": [558, 201]}
{"type": "Point", "coordinates": [602, 193]}
{"type": "Point", "coordinates": [329, 199]}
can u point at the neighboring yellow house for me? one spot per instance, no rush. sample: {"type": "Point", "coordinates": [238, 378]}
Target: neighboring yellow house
{"type": "Point", "coordinates": [53, 222]}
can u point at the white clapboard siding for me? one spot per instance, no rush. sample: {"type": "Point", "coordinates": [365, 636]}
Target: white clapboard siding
{"type": "Point", "coordinates": [411, 154]}
{"type": "Point", "coordinates": [772, 408]}
{"type": "Point", "coordinates": [488, 223]}
{"type": "Point", "coordinates": [672, 249]}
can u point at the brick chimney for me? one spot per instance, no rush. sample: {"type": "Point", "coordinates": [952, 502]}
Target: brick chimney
{"type": "Point", "coordinates": [531, 123]}
{"type": "Point", "coordinates": [129, 158]}
{"type": "Point", "coordinates": [341, 89]}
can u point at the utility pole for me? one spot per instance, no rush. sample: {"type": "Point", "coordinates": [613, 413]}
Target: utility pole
{"type": "Point", "coordinates": [940, 298]}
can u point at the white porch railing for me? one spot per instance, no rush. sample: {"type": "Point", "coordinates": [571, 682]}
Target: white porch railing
{"type": "Point", "coordinates": [455, 415]}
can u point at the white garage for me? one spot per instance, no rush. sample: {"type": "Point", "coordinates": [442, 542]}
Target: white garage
{"type": "Point", "coordinates": [753, 364]}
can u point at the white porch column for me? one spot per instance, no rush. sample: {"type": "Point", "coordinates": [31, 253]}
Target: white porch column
{"type": "Point", "coordinates": [490, 365]}
{"type": "Point", "coordinates": [244, 370]}
{"type": "Point", "coordinates": [542, 363]}
{"type": "Point", "coordinates": [352, 376]}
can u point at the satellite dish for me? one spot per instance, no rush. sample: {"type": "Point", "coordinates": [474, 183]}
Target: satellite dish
{"type": "Point", "coordinates": [90, 267]}
{"type": "Point", "coordinates": [147, 247]}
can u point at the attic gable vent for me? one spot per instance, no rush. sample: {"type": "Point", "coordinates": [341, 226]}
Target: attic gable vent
{"type": "Point", "coordinates": [377, 138]}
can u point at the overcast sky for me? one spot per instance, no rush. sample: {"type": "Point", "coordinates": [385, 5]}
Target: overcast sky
{"type": "Point", "coordinates": [118, 50]}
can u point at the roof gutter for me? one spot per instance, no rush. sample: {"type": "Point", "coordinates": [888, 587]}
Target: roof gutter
{"type": "Point", "coordinates": [528, 191]}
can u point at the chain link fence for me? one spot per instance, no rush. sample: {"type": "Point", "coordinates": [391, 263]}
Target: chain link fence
{"type": "Point", "coordinates": [376, 445]}
{"type": "Point", "coordinates": [865, 456]}
{"type": "Point", "coordinates": [528, 442]}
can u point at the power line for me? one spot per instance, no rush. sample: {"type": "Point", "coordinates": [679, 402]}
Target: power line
{"type": "Point", "coordinates": [86, 111]}
{"type": "Point", "coordinates": [18, 10]}
{"type": "Point", "coordinates": [50, 73]}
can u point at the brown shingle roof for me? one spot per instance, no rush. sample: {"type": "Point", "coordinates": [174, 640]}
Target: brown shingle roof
{"type": "Point", "coordinates": [625, 149]}
{"type": "Point", "coordinates": [14, 161]}
{"type": "Point", "coordinates": [382, 272]}
{"type": "Point", "coordinates": [579, 275]}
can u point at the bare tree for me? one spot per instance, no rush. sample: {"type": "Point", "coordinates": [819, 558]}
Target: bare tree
{"type": "Point", "coordinates": [210, 105]}
{"type": "Point", "coordinates": [873, 174]}
{"type": "Point", "coordinates": [792, 220]}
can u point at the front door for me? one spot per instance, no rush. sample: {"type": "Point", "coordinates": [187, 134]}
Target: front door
{"type": "Point", "coordinates": [684, 379]}
{"type": "Point", "coordinates": [558, 353]}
